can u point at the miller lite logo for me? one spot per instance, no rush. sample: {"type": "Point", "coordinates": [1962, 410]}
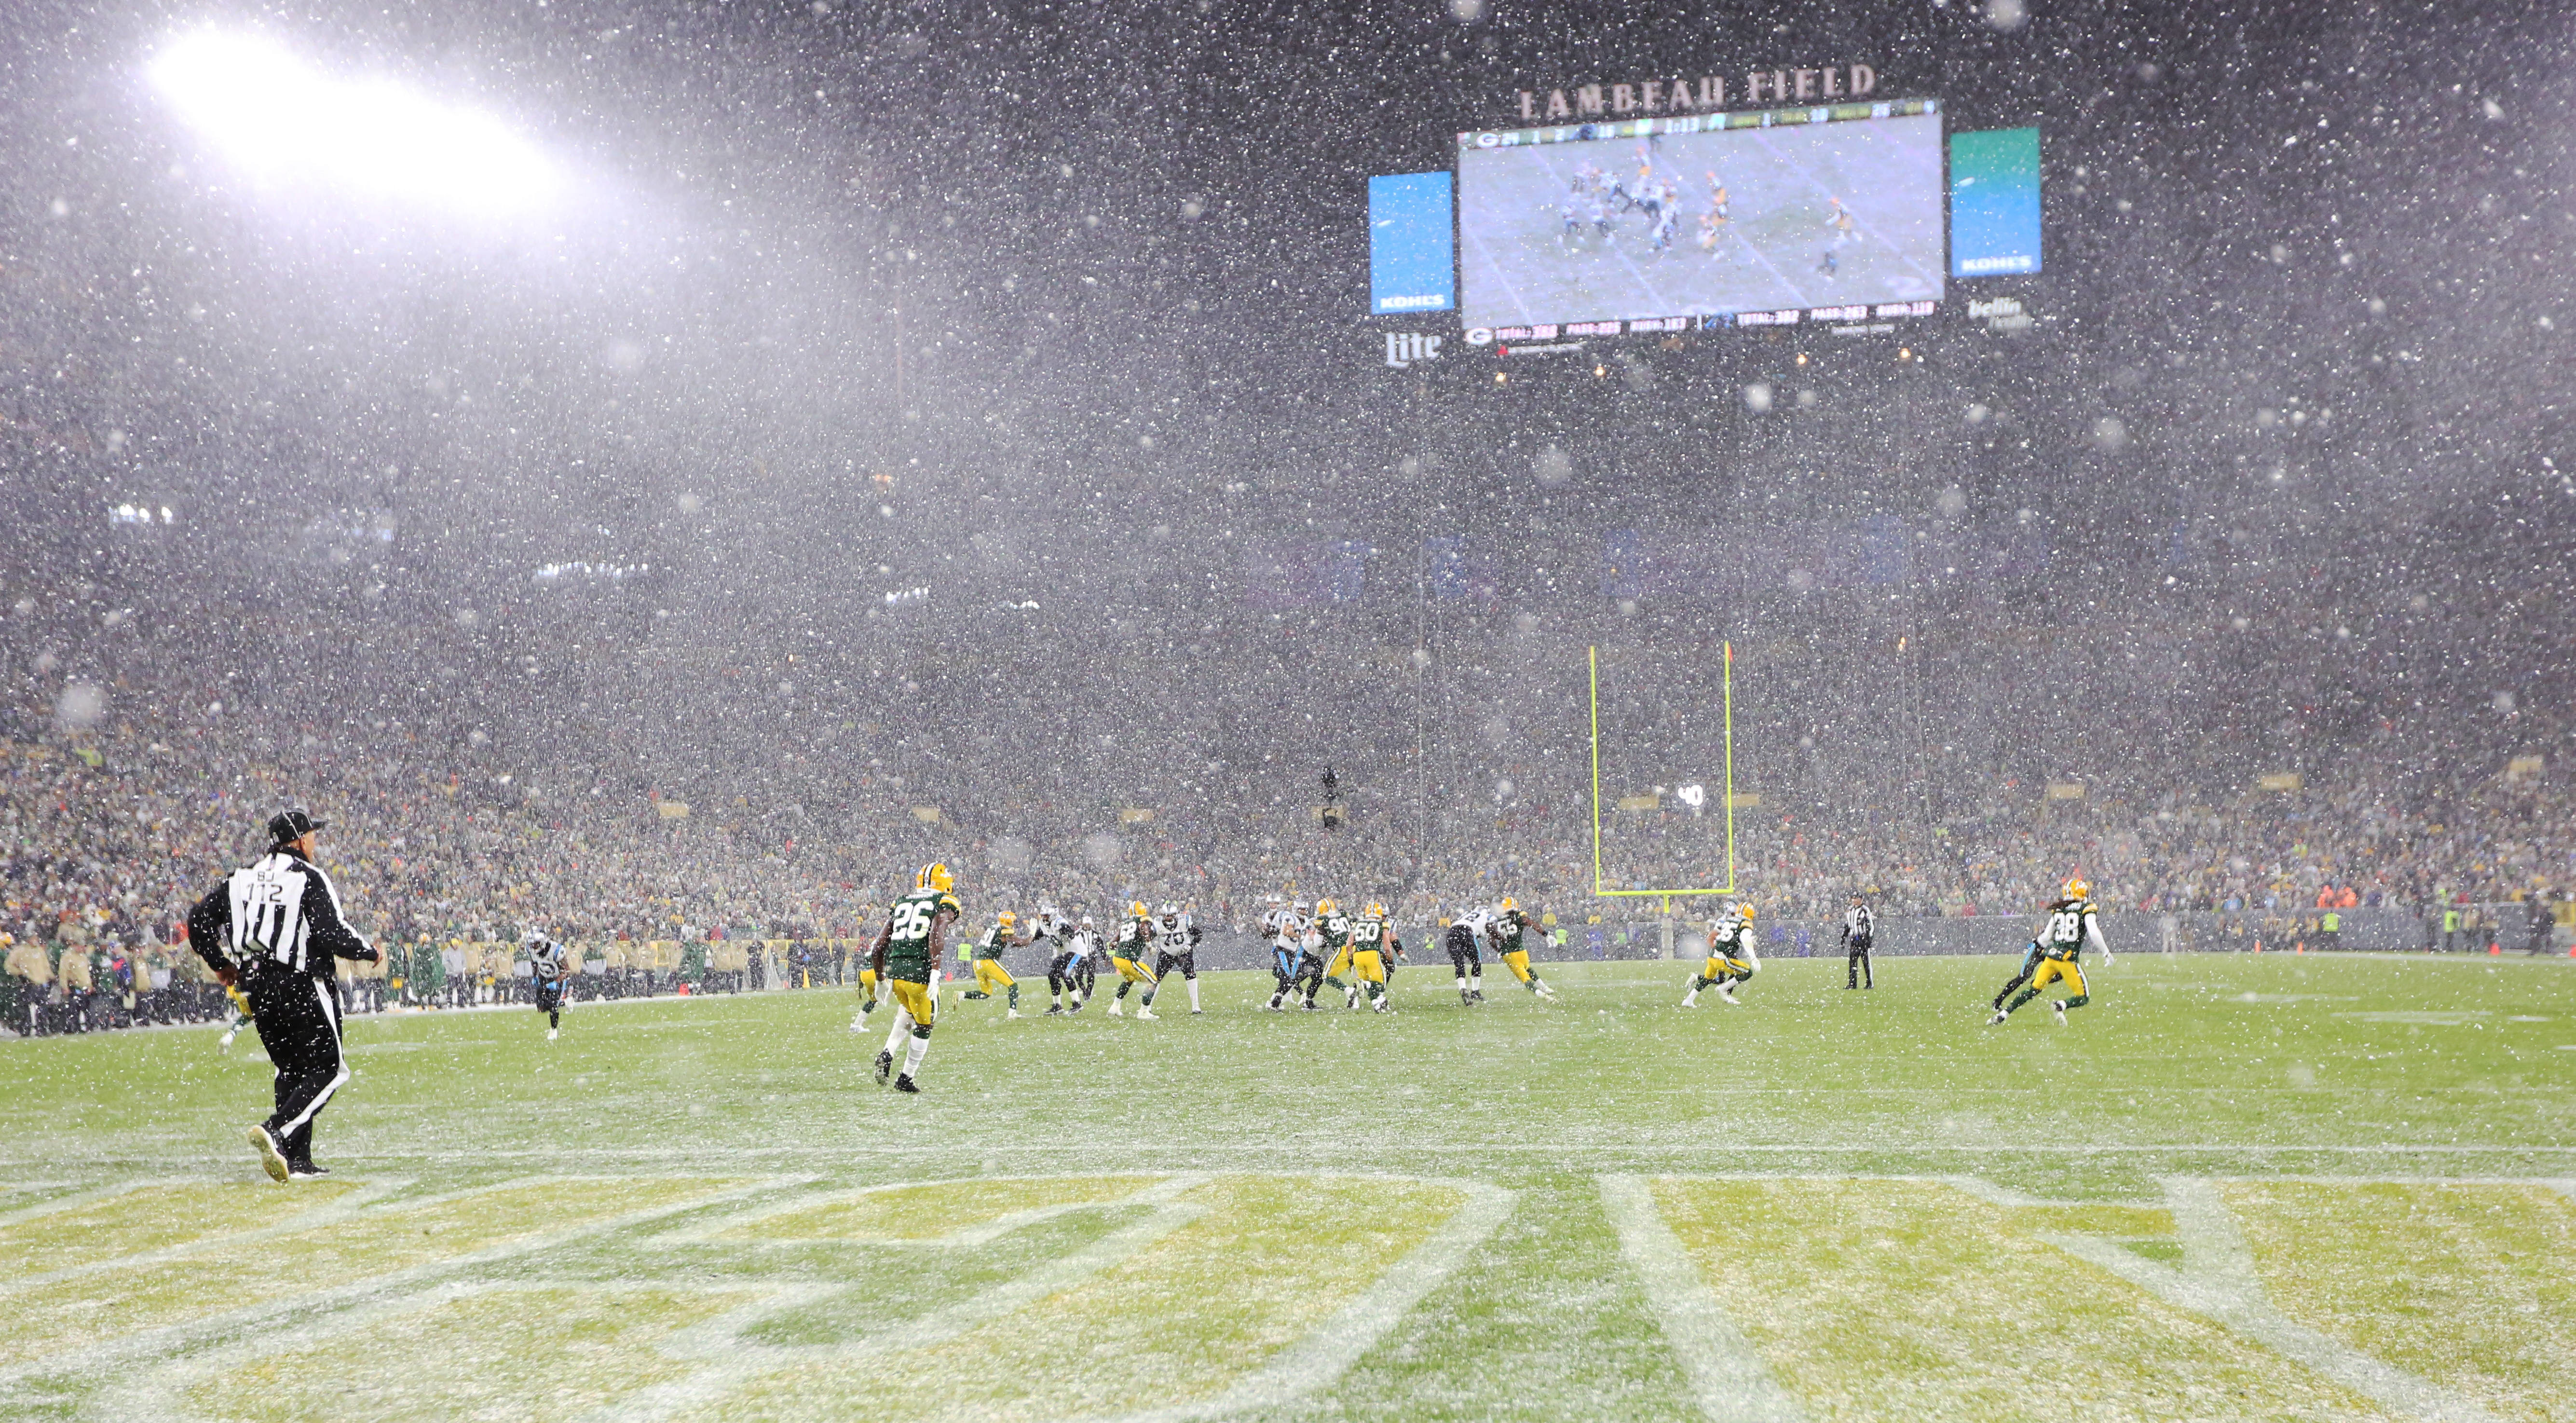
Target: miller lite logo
{"type": "Point", "coordinates": [1403, 348]}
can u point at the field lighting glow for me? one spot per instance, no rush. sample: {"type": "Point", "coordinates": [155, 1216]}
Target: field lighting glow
{"type": "Point", "coordinates": [281, 122]}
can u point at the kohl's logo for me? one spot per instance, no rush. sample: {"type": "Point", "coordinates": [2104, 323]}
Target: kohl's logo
{"type": "Point", "coordinates": [1403, 348]}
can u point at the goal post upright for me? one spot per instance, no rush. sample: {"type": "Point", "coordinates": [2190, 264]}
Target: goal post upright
{"type": "Point", "coordinates": [1600, 889]}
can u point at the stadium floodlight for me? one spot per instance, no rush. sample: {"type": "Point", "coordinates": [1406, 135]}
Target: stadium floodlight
{"type": "Point", "coordinates": [281, 122]}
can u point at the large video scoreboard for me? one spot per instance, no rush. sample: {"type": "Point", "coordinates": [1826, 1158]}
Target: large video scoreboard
{"type": "Point", "coordinates": [1623, 217]}
{"type": "Point", "coordinates": [1699, 219]}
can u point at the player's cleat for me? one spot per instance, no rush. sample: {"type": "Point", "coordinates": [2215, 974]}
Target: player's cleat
{"type": "Point", "coordinates": [1691, 999]}
{"type": "Point", "coordinates": [2058, 1007]}
{"type": "Point", "coordinates": [1999, 1016]}
{"type": "Point", "coordinates": [1727, 993]}
{"type": "Point", "coordinates": [1013, 1013]}
{"type": "Point", "coordinates": [306, 1171]}
{"type": "Point", "coordinates": [1117, 1009]}
{"type": "Point", "coordinates": [905, 1084]}
{"type": "Point", "coordinates": [859, 1024]}
{"type": "Point", "coordinates": [885, 1067]}
{"type": "Point", "coordinates": [552, 1033]}
{"type": "Point", "coordinates": [1198, 1012]}
{"type": "Point", "coordinates": [1055, 1010]}
{"type": "Point", "coordinates": [1144, 1013]}
{"type": "Point", "coordinates": [225, 1043]}
{"type": "Point", "coordinates": [272, 1157]}
{"type": "Point", "coordinates": [1309, 1006]}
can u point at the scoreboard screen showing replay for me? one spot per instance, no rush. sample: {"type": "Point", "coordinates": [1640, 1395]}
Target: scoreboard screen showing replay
{"type": "Point", "coordinates": [1701, 216]}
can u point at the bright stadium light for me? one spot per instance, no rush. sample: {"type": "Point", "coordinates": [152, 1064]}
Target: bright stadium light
{"type": "Point", "coordinates": [281, 122]}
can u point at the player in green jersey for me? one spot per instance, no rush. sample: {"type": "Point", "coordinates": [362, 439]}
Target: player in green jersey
{"type": "Point", "coordinates": [906, 951]}
{"type": "Point", "coordinates": [1731, 959]}
{"type": "Point", "coordinates": [985, 954]}
{"type": "Point", "coordinates": [1333, 942]}
{"type": "Point", "coordinates": [2073, 926]}
{"type": "Point", "coordinates": [1373, 947]}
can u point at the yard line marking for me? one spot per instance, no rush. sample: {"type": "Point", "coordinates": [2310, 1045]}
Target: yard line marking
{"type": "Point", "coordinates": [1727, 1376]}
{"type": "Point", "coordinates": [1330, 1348]}
{"type": "Point", "coordinates": [2218, 1281]}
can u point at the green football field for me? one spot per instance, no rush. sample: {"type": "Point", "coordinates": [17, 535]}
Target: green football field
{"type": "Point", "coordinates": [2234, 1187]}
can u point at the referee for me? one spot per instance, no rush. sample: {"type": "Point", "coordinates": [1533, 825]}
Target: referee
{"type": "Point", "coordinates": [1860, 927]}
{"type": "Point", "coordinates": [274, 928]}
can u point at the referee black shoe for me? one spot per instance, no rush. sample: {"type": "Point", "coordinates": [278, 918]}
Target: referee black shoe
{"type": "Point", "coordinates": [306, 1171]}
{"type": "Point", "coordinates": [272, 1157]}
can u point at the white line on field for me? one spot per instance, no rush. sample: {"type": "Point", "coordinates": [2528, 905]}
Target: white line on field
{"type": "Point", "coordinates": [1330, 1348]}
{"type": "Point", "coordinates": [2218, 1281]}
{"type": "Point", "coordinates": [1726, 1375]}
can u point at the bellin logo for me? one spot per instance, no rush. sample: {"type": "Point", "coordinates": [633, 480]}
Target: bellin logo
{"type": "Point", "coordinates": [1403, 348]}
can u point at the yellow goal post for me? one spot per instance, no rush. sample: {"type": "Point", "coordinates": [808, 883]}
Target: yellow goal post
{"type": "Point", "coordinates": [1600, 887]}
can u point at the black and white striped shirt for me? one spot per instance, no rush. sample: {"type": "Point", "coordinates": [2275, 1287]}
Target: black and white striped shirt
{"type": "Point", "coordinates": [1859, 927]}
{"type": "Point", "coordinates": [281, 909]}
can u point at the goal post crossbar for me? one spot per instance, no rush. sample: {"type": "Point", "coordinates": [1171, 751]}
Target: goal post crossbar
{"type": "Point", "coordinates": [1600, 888]}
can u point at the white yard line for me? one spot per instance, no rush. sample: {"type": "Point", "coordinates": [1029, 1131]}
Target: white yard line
{"type": "Point", "coordinates": [1726, 1375]}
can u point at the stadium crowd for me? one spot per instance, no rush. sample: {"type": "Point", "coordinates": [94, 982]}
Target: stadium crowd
{"type": "Point", "coordinates": [115, 826]}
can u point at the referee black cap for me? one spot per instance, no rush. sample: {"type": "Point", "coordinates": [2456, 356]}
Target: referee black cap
{"type": "Point", "coordinates": [288, 826]}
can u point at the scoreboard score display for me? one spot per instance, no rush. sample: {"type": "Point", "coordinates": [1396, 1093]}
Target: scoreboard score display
{"type": "Point", "coordinates": [1691, 220]}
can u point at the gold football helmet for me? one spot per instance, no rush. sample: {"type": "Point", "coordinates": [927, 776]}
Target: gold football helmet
{"type": "Point", "coordinates": [2078, 888]}
{"type": "Point", "coordinates": [934, 876]}
{"type": "Point", "coordinates": [1376, 910]}
{"type": "Point", "coordinates": [1006, 919]}
{"type": "Point", "coordinates": [1326, 906]}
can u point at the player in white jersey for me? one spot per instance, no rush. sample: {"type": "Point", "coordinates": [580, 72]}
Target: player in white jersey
{"type": "Point", "coordinates": [1176, 946]}
{"type": "Point", "coordinates": [1284, 926]}
{"type": "Point", "coordinates": [1466, 939]}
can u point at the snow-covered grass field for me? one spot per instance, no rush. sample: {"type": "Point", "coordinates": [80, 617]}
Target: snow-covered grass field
{"type": "Point", "coordinates": [2267, 1186]}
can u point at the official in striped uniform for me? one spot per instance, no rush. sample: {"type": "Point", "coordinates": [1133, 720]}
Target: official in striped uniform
{"type": "Point", "coordinates": [274, 929]}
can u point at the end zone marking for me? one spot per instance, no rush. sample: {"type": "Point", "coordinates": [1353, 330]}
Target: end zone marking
{"type": "Point", "coordinates": [158, 1340]}
{"type": "Point", "coordinates": [321, 1214]}
{"type": "Point", "coordinates": [2217, 1281]}
{"type": "Point", "coordinates": [730, 1230]}
{"type": "Point", "coordinates": [1727, 1375]}
{"type": "Point", "coordinates": [1328, 1350]}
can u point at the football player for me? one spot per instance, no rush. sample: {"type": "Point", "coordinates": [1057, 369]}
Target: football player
{"type": "Point", "coordinates": [2074, 925]}
{"type": "Point", "coordinates": [1731, 959]}
{"type": "Point", "coordinates": [868, 988]}
{"type": "Point", "coordinates": [241, 1018]}
{"type": "Point", "coordinates": [990, 976]}
{"type": "Point", "coordinates": [548, 968]}
{"type": "Point", "coordinates": [906, 955]}
{"type": "Point", "coordinates": [1127, 955]}
{"type": "Point", "coordinates": [1286, 930]}
{"type": "Point", "coordinates": [1332, 953]}
{"type": "Point", "coordinates": [1508, 930]}
{"type": "Point", "coordinates": [1373, 946]}
{"type": "Point", "coordinates": [1466, 958]}
{"type": "Point", "coordinates": [1068, 964]}
{"type": "Point", "coordinates": [1176, 944]}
